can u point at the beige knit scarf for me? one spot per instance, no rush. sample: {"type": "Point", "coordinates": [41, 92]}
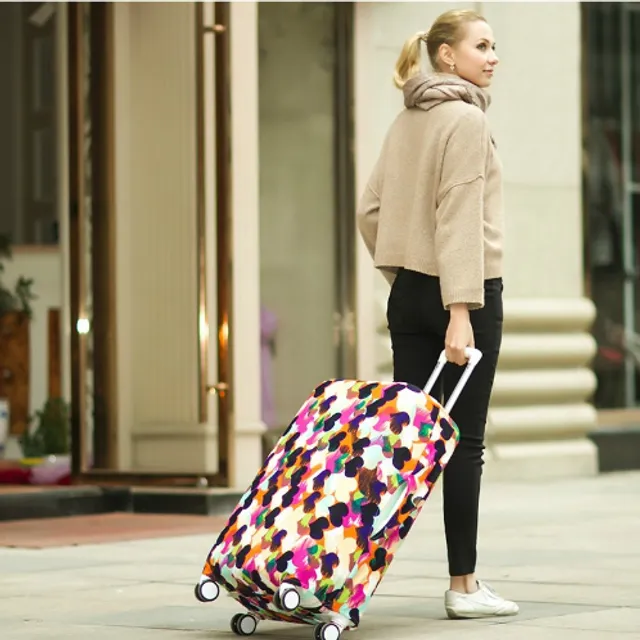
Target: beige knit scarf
{"type": "Point", "coordinates": [426, 91]}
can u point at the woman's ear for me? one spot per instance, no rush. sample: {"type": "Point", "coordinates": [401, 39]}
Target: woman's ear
{"type": "Point", "coordinates": [446, 56]}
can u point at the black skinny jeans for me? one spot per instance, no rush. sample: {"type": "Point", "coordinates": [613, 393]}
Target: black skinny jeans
{"type": "Point", "coordinates": [418, 323]}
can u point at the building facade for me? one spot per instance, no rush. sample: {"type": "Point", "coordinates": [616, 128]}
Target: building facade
{"type": "Point", "coordinates": [194, 222]}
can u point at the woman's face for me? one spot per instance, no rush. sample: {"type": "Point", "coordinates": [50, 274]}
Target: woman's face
{"type": "Point", "coordinates": [475, 56]}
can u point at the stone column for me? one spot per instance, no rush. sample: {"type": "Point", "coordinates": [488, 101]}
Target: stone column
{"type": "Point", "coordinates": [247, 420]}
{"type": "Point", "coordinates": [540, 409]}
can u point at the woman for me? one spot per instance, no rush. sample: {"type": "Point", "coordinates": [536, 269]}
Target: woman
{"type": "Point", "coordinates": [431, 217]}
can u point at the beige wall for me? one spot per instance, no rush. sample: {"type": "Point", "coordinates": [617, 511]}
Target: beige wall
{"type": "Point", "coordinates": [544, 382]}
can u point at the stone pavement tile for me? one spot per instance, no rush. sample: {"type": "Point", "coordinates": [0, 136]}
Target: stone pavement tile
{"type": "Point", "coordinates": [432, 608]}
{"type": "Point", "coordinates": [569, 575]}
{"type": "Point", "coordinates": [101, 528]}
{"type": "Point", "coordinates": [58, 609]}
{"type": "Point", "coordinates": [377, 630]}
{"type": "Point", "coordinates": [623, 620]}
{"type": "Point", "coordinates": [541, 573]}
{"type": "Point", "coordinates": [384, 614]}
{"type": "Point", "coordinates": [36, 562]}
{"type": "Point", "coordinates": [605, 595]}
{"type": "Point", "coordinates": [187, 550]}
{"type": "Point", "coordinates": [517, 631]}
{"type": "Point", "coordinates": [73, 632]}
{"type": "Point", "coordinates": [139, 571]}
{"type": "Point", "coordinates": [587, 594]}
{"type": "Point", "coordinates": [550, 566]}
{"type": "Point", "coordinates": [59, 581]}
{"type": "Point", "coordinates": [507, 559]}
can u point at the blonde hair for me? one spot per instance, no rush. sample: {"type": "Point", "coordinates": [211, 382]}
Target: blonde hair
{"type": "Point", "coordinates": [447, 29]}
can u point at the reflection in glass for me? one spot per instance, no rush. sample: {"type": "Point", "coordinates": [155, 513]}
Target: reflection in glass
{"type": "Point", "coordinates": [87, 302]}
{"type": "Point", "coordinates": [297, 195]}
{"type": "Point", "coordinates": [604, 198]}
{"type": "Point", "coordinates": [634, 88]}
{"type": "Point", "coordinates": [612, 146]}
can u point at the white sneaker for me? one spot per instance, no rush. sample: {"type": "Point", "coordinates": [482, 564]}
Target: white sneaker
{"type": "Point", "coordinates": [484, 603]}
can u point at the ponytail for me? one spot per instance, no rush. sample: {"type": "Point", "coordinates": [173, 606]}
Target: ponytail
{"type": "Point", "coordinates": [408, 64]}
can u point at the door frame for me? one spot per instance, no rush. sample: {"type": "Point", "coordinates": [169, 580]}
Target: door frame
{"type": "Point", "coordinates": [105, 436]}
{"type": "Point", "coordinates": [344, 181]}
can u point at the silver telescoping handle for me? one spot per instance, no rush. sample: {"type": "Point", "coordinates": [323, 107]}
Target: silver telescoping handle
{"type": "Point", "coordinates": [473, 356]}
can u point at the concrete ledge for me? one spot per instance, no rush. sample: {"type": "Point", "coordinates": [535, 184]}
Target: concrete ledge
{"type": "Point", "coordinates": [618, 448]}
{"type": "Point", "coordinates": [62, 501]}
{"type": "Point", "coordinates": [192, 501]}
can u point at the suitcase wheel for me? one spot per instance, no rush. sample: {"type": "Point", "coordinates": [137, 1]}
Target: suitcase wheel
{"type": "Point", "coordinates": [207, 591]}
{"type": "Point", "coordinates": [243, 624]}
{"type": "Point", "coordinates": [286, 598]}
{"type": "Point", "coordinates": [328, 631]}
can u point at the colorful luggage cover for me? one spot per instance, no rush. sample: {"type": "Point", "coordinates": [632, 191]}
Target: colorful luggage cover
{"type": "Point", "coordinates": [316, 531]}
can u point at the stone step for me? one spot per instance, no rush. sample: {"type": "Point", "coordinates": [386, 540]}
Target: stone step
{"type": "Point", "coordinates": [24, 503]}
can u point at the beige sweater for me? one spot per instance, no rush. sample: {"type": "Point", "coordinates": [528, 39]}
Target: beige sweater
{"type": "Point", "coordinates": [433, 203]}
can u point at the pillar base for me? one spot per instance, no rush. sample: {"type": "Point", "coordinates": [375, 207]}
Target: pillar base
{"type": "Point", "coordinates": [193, 448]}
{"type": "Point", "coordinates": [534, 461]}
{"type": "Point", "coordinates": [248, 454]}
{"type": "Point", "coordinates": [176, 448]}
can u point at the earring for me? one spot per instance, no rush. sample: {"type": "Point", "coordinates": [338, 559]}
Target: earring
{"type": "Point", "coordinates": [452, 67]}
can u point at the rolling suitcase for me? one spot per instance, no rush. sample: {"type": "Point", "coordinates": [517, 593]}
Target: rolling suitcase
{"type": "Point", "coordinates": [314, 534]}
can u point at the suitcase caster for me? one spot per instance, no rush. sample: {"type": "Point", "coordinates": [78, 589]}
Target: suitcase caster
{"type": "Point", "coordinates": [207, 591]}
{"type": "Point", "coordinates": [328, 631]}
{"type": "Point", "coordinates": [286, 598]}
{"type": "Point", "coordinates": [243, 624]}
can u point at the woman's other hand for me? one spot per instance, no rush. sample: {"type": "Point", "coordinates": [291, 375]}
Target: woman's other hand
{"type": "Point", "coordinates": [459, 334]}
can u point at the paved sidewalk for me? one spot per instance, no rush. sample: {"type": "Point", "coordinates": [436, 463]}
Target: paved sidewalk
{"type": "Point", "coordinates": [568, 552]}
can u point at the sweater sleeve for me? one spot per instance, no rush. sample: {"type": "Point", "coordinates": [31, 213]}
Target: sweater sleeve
{"type": "Point", "coordinates": [459, 234]}
{"type": "Point", "coordinates": [368, 215]}
{"type": "Point", "coordinates": [368, 211]}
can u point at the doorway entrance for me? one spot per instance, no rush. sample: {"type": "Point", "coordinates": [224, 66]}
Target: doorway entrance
{"type": "Point", "coordinates": [174, 178]}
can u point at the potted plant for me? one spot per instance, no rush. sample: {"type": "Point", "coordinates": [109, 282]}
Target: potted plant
{"type": "Point", "coordinates": [51, 434]}
{"type": "Point", "coordinates": [46, 447]}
